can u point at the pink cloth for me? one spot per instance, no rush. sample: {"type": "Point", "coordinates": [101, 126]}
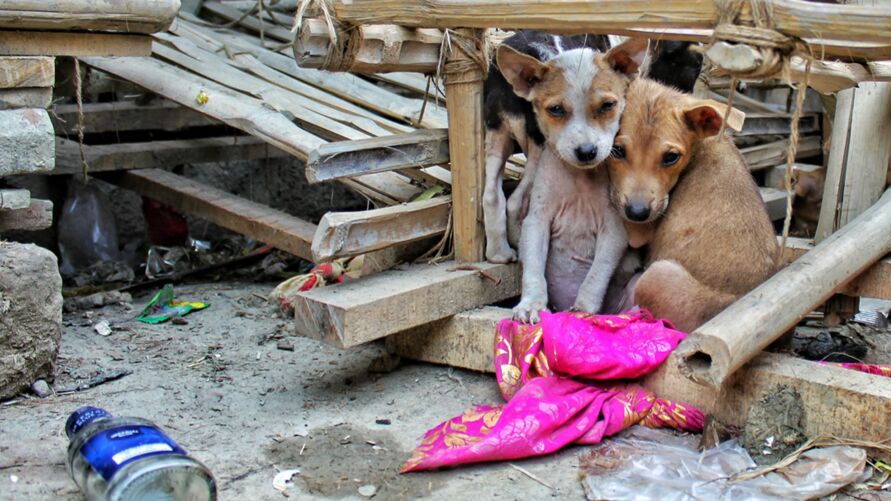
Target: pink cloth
{"type": "Point", "coordinates": [546, 408]}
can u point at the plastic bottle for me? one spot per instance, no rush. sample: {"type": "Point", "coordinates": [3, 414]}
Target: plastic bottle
{"type": "Point", "coordinates": [129, 459]}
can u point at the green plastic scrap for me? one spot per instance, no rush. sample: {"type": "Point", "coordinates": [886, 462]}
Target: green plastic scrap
{"type": "Point", "coordinates": [162, 307]}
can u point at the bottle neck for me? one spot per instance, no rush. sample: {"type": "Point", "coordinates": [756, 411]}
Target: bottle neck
{"type": "Point", "coordinates": [82, 417]}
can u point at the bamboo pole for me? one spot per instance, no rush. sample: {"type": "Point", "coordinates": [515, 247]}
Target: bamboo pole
{"type": "Point", "coordinates": [464, 102]}
{"type": "Point", "coordinates": [792, 17]}
{"type": "Point", "coordinates": [721, 346]}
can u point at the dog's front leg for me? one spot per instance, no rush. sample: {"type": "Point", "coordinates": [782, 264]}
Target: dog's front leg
{"type": "Point", "coordinates": [609, 249]}
{"type": "Point", "coordinates": [499, 146]}
{"type": "Point", "coordinates": [518, 203]}
{"type": "Point", "coordinates": [534, 243]}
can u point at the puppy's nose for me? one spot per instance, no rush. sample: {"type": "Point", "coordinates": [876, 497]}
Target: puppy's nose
{"type": "Point", "coordinates": [637, 211]}
{"type": "Point", "coordinates": [586, 153]}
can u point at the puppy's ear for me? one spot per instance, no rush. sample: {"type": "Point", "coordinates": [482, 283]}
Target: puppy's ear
{"type": "Point", "coordinates": [522, 72]}
{"type": "Point", "coordinates": [628, 56]}
{"type": "Point", "coordinates": [705, 117]}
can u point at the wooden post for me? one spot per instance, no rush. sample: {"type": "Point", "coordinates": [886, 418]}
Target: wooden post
{"type": "Point", "coordinates": [736, 335]}
{"type": "Point", "coordinates": [464, 99]}
{"type": "Point", "coordinates": [855, 176]}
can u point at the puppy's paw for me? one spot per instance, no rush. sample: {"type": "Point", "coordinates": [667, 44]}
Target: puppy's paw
{"type": "Point", "coordinates": [529, 308]}
{"type": "Point", "coordinates": [586, 306]}
{"type": "Point", "coordinates": [502, 255]}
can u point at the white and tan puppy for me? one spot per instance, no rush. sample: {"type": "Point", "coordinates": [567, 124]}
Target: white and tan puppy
{"type": "Point", "coordinates": [578, 99]}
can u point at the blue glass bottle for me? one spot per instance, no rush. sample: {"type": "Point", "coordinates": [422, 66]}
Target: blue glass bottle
{"type": "Point", "coordinates": [129, 459]}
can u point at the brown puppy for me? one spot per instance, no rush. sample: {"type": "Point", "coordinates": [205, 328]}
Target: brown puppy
{"type": "Point", "coordinates": [689, 195]}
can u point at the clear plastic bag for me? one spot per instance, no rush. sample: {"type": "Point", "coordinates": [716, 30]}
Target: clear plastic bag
{"type": "Point", "coordinates": [645, 464]}
{"type": "Point", "coordinates": [87, 230]}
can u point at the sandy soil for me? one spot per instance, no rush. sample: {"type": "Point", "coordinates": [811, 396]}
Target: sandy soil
{"type": "Point", "coordinates": [223, 388]}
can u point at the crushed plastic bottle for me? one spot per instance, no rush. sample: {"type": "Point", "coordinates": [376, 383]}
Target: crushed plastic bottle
{"type": "Point", "coordinates": [130, 459]}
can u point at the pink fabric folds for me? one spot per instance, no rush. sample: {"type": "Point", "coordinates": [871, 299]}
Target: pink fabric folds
{"type": "Point", "coordinates": [560, 380]}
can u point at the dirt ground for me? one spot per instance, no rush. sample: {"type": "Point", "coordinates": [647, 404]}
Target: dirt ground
{"type": "Point", "coordinates": [224, 389]}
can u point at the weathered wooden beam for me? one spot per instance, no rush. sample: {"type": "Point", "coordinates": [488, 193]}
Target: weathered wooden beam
{"type": "Point", "coordinates": [793, 17]}
{"type": "Point", "coordinates": [26, 142]}
{"type": "Point", "coordinates": [774, 202]}
{"type": "Point", "coordinates": [770, 154]}
{"type": "Point", "coordinates": [376, 306]}
{"type": "Point", "coordinates": [463, 82]}
{"type": "Point", "coordinates": [126, 16]}
{"type": "Point", "coordinates": [263, 223]}
{"type": "Point", "coordinates": [341, 159]}
{"type": "Point", "coordinates": [31, 97]}
{"type": "Point", "coordinates": [15, 199]}
{"type": "Point", "coordinates": [382, 48]}
{"type": "Point", "coordinates": [19, 71]}
{"type": "Point", "coordinates": [235, 109]}
{"type": "Point", "coordinates": [736, 335]}
{"type": "Point", "coordinates": [149, 154]}
{"type": "Point", "coordinates": [344, 234]}
{"type": "Point", "coordinates": [123, 116]}
{"type": "Point", "coordinates": [838, 401]}
{"type": "Point", "coordinates": [37, 216]}
{"type": "Point", "coordinates": [855, 170]}
{"type": "Point", "coordinates": [44, 43]}
{"type": "Point", "coordinates": [758, 124]}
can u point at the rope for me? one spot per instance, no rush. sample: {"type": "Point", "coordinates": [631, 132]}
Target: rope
{"type": "Point", "coordinates": [78, 96]}
{"type": "Point", "coordinates": [345, 40]}
{"type": "Point", "coordinates": [790, 155]}
{"type": "Point", "coordinates": [473, 67]}
{"type": "Point", "coordinates": [775, 50]}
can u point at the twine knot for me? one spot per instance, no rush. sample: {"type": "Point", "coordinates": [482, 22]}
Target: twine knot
{"type": "Point", "coordinates": [345, 39]}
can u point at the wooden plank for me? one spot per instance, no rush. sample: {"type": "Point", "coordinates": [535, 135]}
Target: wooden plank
{"type": "Point", "coordinates": [770, 154]}
{"type": "Point", "coordinates": [235, 109]}
{"type": "Point", "coordinates": [127, 16]}
{"type": "Point", "coordinates": [838, 401]}
{"type": "Point", "coordinates": [793, 17]}
{"type": "Point", "coordinates": [344, 85]}
{"type": "Point", "coordinates": [376, 306]}
{"type": "Point", "coordinates": [37, 216]}
{"type": "Point", "coordinates": [40, 43]}
{"type": "Point", "coordinates": [759, 124]}
{"type": "Point", "coordinates": [149, 154]}
{"type": "Point", "coordinates": [855, 170]}
{"type": "Point", "coordinates": [774, 202]}
{"type": "Point", "coordinates": [383, 48]}
{"type": "Point", "coordinates": [353, 158]}
{"type": "Point", "coordinates": [344, 234]}
{"type": "Point", "coordinates": [15, 199]}
{"type": "Point", "coordinates": [736, 335]}
{"type": "Point", "coordinates": [123, 116]}
{"type": "Point", "coordinates": [33, 97]}
{"type": "Point", "coordinates": [464, 98]}
{"type": "Point", "coordinates": [274, 227]}
{"type": "Point", "coordinates": [19, 71]}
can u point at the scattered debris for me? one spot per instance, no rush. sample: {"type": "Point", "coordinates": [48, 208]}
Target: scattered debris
{"type": "Point", "coordinates": [285, 344]}
{"type": "Point", "coordinates": [645, 463]}
{"type": "Point", "coordinates": [383, 422]}
{"type": "Point", "coordinates": [41, 388]}
{"type": "Point", "coordinates": [282, 479]}
{"type": "Point", "coordinates": [533, 477]}
{"type": "Point", "coordinates": [368, 490]}
{"type": "Point", "coordinates": [483, 273]}
{"type": "Point", "coordinates": [102, 328]}
{"type": "Point", "coordinates": [162, 307]}
{"type": "Point", "coordinates": [102, 378]}
{"type": "Point", "coordinates": [773, 428]}
{"type": "Point", "coordinates": [385, 364]}
{"type": "Point", "coordinates": [97, 300]}
{"type": "Point", "coordinates": [843, 343]}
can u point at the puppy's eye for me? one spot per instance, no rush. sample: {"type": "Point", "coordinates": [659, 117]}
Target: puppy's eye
{"type": "Point", "coordinates": [557, 111]}
{"type": "Point", "coordinates": [618, 152]}
{"type": "Point", "coordinates": [670, 158]}
{"type": "Point", "coordinates": [606, 106]}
